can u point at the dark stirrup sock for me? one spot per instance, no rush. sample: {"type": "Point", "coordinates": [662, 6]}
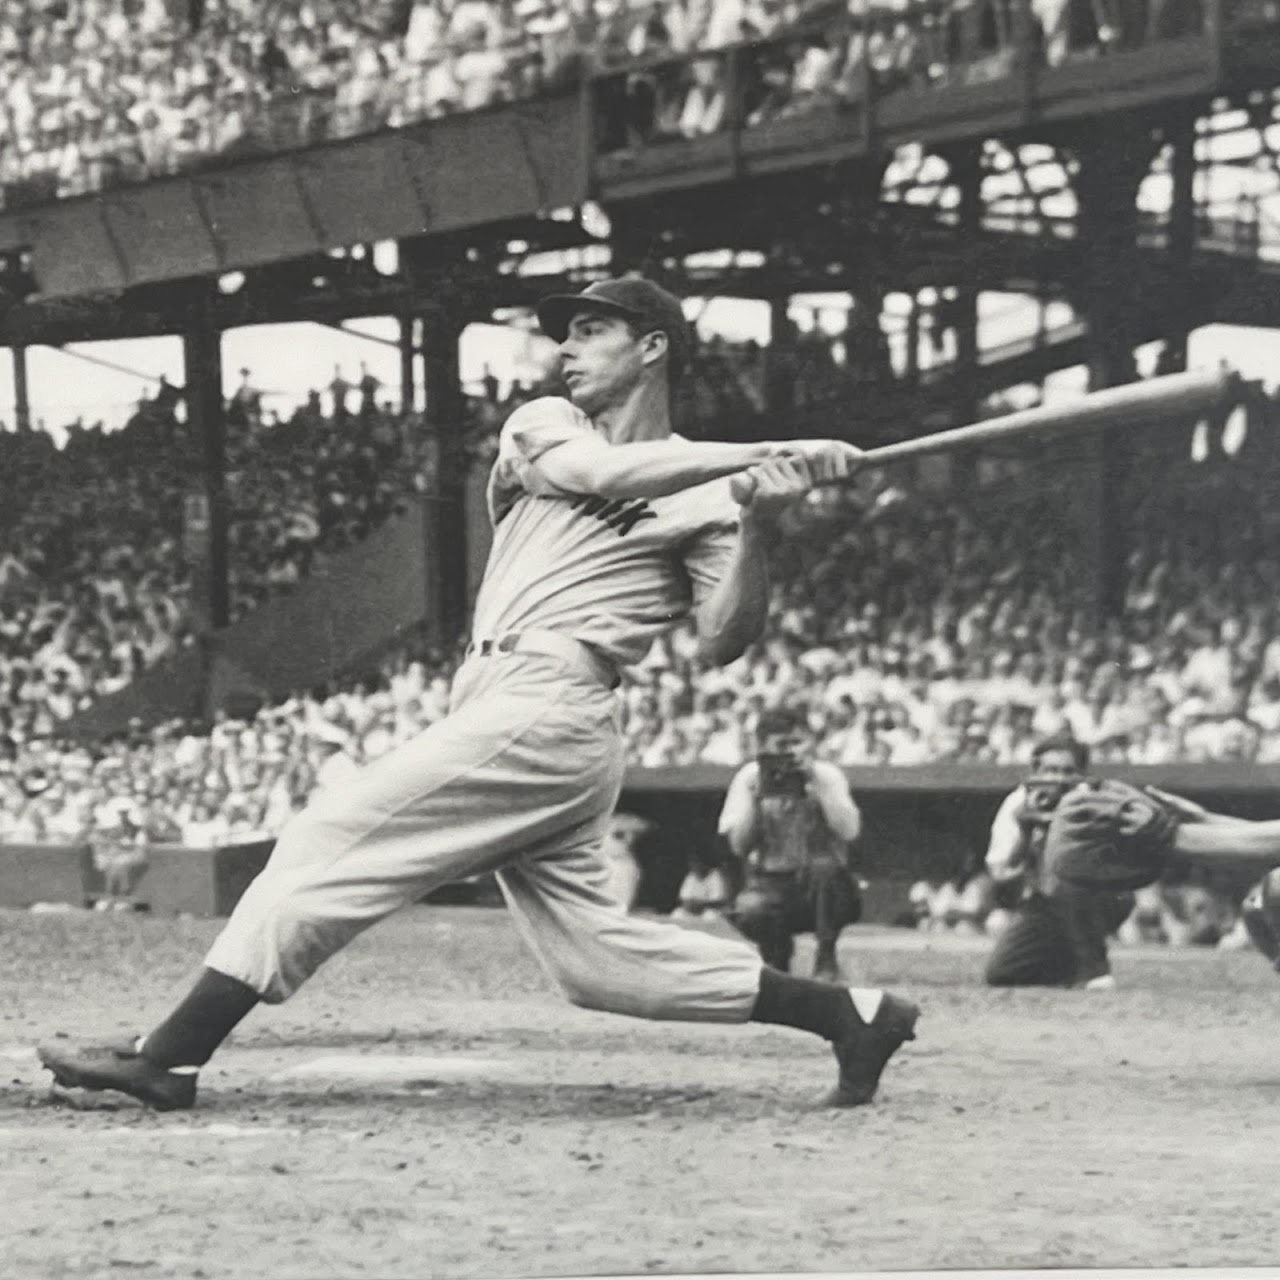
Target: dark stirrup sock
{"type": "Point", "coordinates": [819, 1007]}
{"type": "Point", "coordinates": [201, 1022]}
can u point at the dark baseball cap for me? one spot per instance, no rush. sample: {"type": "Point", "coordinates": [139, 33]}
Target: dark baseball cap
{"type": "Point", "coordinates": [634, 298]}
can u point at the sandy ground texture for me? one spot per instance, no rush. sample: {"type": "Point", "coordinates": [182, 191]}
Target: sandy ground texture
{"type": "Point", "coordinates": [427, 1106]}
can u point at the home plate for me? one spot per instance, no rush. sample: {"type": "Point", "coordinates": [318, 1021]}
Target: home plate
{"type": "Point", "coordinates": [416, 1069]}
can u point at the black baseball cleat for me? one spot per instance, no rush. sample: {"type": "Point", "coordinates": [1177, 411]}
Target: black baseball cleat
{"type": "Point", "coordinates": [863, 1051]}
{"type": "Point", "coordinates": [826, 968]}
{"type": "Point", "coordinates": [122, 1068]}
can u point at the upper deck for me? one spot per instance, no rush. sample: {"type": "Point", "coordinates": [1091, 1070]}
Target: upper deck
{"type": "Point", "coordinates": [852, 86]}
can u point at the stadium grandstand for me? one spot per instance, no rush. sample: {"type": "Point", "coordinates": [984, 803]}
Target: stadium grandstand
{"type": "Point", "coordinates": [933, 618]}
{"type": "Point", "coordinates": [103, 92]}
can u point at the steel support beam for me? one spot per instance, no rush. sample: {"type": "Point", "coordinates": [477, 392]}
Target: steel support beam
{"type": "Point", "coordinates": [21, 393]}
{"type": "Point", "coordinates": [206, 417]}
{"type": "Point", "coordinates": [444, 408]}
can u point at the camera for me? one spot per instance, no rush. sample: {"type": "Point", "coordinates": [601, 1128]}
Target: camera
{"type": "Point", "coordinates": [1043, 797]}
{"type": "Point", "coordinates": [782, 775]}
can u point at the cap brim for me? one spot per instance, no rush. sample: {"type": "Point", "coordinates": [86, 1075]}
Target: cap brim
{"type": "Point", "coordinates": [555, 312]}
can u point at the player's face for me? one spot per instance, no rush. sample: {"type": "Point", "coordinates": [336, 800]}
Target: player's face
{"type": "Point", "coordinates": [601, 360]}
{"type": "Point", "coordinates": [1057, 766]}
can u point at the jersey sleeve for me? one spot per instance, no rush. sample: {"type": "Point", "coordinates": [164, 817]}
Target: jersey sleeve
{"type": "Point", "coordinates": [738, 816]}
{"type": "Point", "coordinates": [531, 431]}
{"type": "Point", "coordinates": [1005, 850]}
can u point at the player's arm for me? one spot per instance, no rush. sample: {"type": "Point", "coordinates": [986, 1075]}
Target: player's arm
{"type": "Point", "coordinates": [646, 468]}
{"type": "Point", "coordinates": [1203, 833]}
{"type": "Point", "coordinates": [1190, 811]}
{"type": "Point", "coordinates": [738, 824]}
{"type": "Point", "coordinates": [830, 788]}
{"type": "Point", "coordinates": [1239, 838]}
{"type": "Point", "coordinates": [1006, 850]}
{"type": "Point", "coordinates": [733, 613]}
{"type": "Point", "coordinates": [558, 445]}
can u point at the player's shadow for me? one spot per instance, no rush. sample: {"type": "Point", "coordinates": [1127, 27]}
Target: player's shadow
{"type": "Point", "coordinates": [1267, 1084]}
{"type": "Point", "coordinates": [430, 1037]}
{"type": "Point", "coordinates": [511, 1101]}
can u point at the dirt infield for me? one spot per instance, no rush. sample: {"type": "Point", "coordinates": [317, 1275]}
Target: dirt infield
{"type": "Point", "coordinates": [428, 1107]}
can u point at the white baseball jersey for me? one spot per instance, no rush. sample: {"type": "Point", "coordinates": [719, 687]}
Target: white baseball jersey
{"type": "Point", "coordinates": [612, 573]}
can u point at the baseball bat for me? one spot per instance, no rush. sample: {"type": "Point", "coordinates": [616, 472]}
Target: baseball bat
{"type": "Point", "coordinates": [1178, 397]}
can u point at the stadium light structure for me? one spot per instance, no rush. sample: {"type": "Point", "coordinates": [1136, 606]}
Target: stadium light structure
{"type": "Point", "coordinates": [386, 257]}
{"type": "Point", "coordinates": [1200, 441]}
{"type": "Point", "coordinates": [1235, 431]}
{"type": "Point", "coordinates": [594, 221]}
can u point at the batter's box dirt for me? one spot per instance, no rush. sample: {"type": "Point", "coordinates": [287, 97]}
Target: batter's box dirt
{"type": "Point", "coordinates": [425, 1099]}
{"type": "Point", "coordinates": [505, 1134]}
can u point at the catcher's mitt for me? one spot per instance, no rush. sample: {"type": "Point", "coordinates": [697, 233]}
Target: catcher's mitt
{"type": "Point", "coordinates": [1110, 836]}
{"type": "Point", "coordinates": [1260, 912]}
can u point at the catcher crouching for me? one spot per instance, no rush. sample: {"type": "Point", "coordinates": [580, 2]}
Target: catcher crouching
{"type": "Point", "coordinates": [1058, 928]}
{"type": "Point", "coordinates": [1108, 837]}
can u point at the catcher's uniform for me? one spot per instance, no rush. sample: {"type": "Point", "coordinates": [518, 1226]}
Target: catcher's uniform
{"type": "Point", "coordinates": [522, 776]}
{"type": "Point", "coordinates": [1058, 932]}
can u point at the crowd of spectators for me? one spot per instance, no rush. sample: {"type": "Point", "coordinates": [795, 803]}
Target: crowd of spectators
{"type": "Point", "coordinates": [315, 482]}
{"type": "Point", "coordinates": [1189, 913]}
{"type": "Point", "coordinates": [106, 91]}
{"type": "Point", "coordinates": [91, 580]}
{"type": "Point", "coordinates": [828, 54]}
{"type": "Point", "coordinates": [96, 566]}
{"type": "Point", "coordinates": [102, 92]}
{"type": "Point", "coordinates": [202, 786]}
{"type": "Point", "coordinates": [923, 625]}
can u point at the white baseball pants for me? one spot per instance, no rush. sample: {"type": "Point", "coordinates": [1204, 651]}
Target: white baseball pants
{"type": "Point", "coordinates": [521, 778]}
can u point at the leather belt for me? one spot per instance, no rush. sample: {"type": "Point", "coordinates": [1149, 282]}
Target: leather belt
{"type": "Point", "coordinates": [581, 657]}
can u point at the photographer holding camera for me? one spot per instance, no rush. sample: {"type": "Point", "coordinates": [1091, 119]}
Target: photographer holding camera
{"type": "Point", "coordinates": [1057, 932]}
{"type": "Point", "coordinates": [790, 822]}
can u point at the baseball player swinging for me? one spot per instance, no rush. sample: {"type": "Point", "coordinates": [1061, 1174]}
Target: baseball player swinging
{"type": "Point", "coordinates": [608, 530]}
